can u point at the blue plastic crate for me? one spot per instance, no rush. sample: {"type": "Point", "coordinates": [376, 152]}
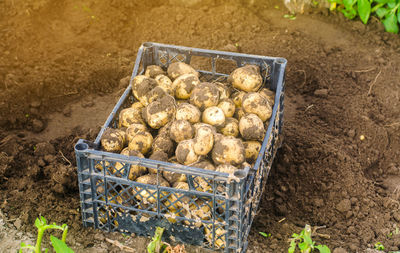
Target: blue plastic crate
{"type": "Point", "coordinates": [218, 209]}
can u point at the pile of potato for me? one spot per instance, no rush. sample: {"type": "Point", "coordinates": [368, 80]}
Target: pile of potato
{"type": "Point", "coordinates": [178, 118]}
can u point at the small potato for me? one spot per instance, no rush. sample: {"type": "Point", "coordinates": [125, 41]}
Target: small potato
{"type": "Point", "coordinates": [184, 85]}
{"type": "Point", "coordinates": [181, 130]}
{"type": "Point", "coordinates": [205, 95]}
{"type": "Point", "coordinates": [239, 113]}
{"type": "Point", "coordinates": [163, 143]}
{"type": "Point", "coordinates": [226, 168]}
{"type": "Point", "coordinates": [228, 150]}
{"type": "Point", "coordinates": [158, 113]}
{"type": "Point", "coordinates": [165, 83]}
{"type": "Point", "coordinates": [217, 237]}
{"type": "Point", "coordinates": [227, 106]}
{"type": "Point", "coordinates": [214, 116]}
{"type": "Point", "coordinates": [159, 156]}
{"type": "Point", "coordinates": [133, 129]}
{"type": "Point", "coordinates": [269, 95]}
{"type": "Point", "coordinates": [218, 137]}
{"type": "Point", "coordinates": [254, 102]}
{"type": "Point", "coordinates": [137, 105]}
{"type": "Point", "coordinates": [251, 127]}
{"type": "Point", "coordinates": [179, 198]}
{"type": "Point", "coordinates": [224, 91]}
{"type": "Point", "coordinates": [201, 183]}
{"type": "Point", "coordinates": [129, 116]}
{"type": "Point", "coordinates": [173, 177]}
{"type": "Point", "coordinates": [149, 195]}
{"type": "Point", "coordinates": [185, 152]}
{"type": "Point", "coordinates": [231, 127]}
{"type": "Point", "coordinates": [251, 150]}
{"type": "Point", "coordinates": [177, 69]}
{"type": "Point", "coordinates": [201, 124]}
{"type": "Point", "coordinates": [141, 85]}
{"type": "Point", "coordinates": [153, 70]}
{"type": "Point", "coordinates": [141, 142]}
{"type": "Point", "coordinates": [188, 112]}
{"type": "Point", "coordinates": [165, 129]}
{"type": "Point", "coordinates": [203, 141]}
{"type": "Point", "coordinates": [113, 140]}
{"type": "Point", "coordinates": [155, 94]}
{"type": "Point", "coordinates": [246, 78]}
{"type": "Point", "coordinates": [237, 98]}
{"type": "Point", "coordinates": [135, 171]}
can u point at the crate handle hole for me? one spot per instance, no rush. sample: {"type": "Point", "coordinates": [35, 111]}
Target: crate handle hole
{"type": "Point", "coordinates": [81, 146]}
{"type": "Point", "coordinates": [240, 174]}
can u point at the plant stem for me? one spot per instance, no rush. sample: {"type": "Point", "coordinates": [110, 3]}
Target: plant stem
{"type": "Point", "coordinates": [64, 234]}
{"type": "Point", "coordinates": [39, 239]}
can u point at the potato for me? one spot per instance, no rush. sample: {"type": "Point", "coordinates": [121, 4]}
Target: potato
{"type": "Point", "coordinates": [181, 130]}
{"type": "Point", "coordinates": [165, 129]}
{"type": "Point", "coordinates": [129, 116]}
{"type": "Point", "coordinates": [239, 113]}
{"type": "Point", "coordinates": [254, 102]}
{"type": "Point", "coordinates": [184, 85]}
{"type": "Point", "coordinates": [201, 124]}
{"type": "Point", "coordinates": [165, 83]}
{"type": "Point", "coordinates": [137, 105]}
{"type": "Point", "coordinates": [155, 94]}
{"type": "Point", "coordinates": [246, 78]}
{"type": "Point", "coordinates": [218, 137]}
{"type": "Point", "coordinates": [188, 112]}
{"type": "Point", "coordinates": [141, 142]}
{"type": "Point", "coordinates": [158, 113]}
{"type": "Point", "coordinates": [177, 197]}
{"type": "Point", "coordinates": [141, 85]}
{"type": "Point", "coordinates": [202, 183]}
{"type": "Point", "coordinates": [269, 95]}
{"type": "Point", "coordinates": [224, 91]}
{"type": "Point", "coordinates": [177, 69]}
{"type": "Point", "coordinates": [113, 140]}
{"type": "Point", "coordinates": [218, 238]}
{"type": "Point", "coordinates": [228, 150]}
{"type": "Point", "coordinates": [231, 127]}
{"type": "Point", "coordinates": [149, 195]}
{"type": "Point", "coordinates": [181, 101]}
{"type": "Point", "coordinates": [135, 171]}
{"type": "Point", "coordinates": [205, 95]}
{"type": "Point", "coordinates": [159, 156]}
{"type": "Point", "coordinates": [133, 129]}
{"type": "Point", "coordinates": [173, 177]}
{"type": "Point", "coordinates": [237, 98]}
{"type": "Point", "coordinates": [185, 152]}
{"type": "Point", "coordinates": [214, 116]}
{"type": "Point", "coordinates": [227, 106]}
{"type": "Point", "coordinates": [226, 168]}
{"type": "Point", "coordinates": [200, 211]}
{"type": "Point", "coordinates": [251, 127]}
{"type": "Point", "coordinates": [153, 70]}
{"type": "Point", "coordinates": [203, 141]}
{"type": "Point", "coordinates": [251, 150]}
{"type": "Point", "coordinates": [163, 143]}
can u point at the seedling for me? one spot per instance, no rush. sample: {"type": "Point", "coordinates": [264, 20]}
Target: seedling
{"type": "Point", "coordinates": [305, 243]}
{"type": "Point", "coordinates": [289, 16]}
{"type": "Point", "coordinates": [265, 234]}
{"type": "Point", "coordinates": [59, 245]}
{"type": "Point", "coordinates": [156, 245]}
{"type": "Point", "coordinates": [379, 246]}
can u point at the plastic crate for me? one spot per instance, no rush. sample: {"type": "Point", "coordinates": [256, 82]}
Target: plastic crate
{"type": "Point", "coordinates": [218, 209]}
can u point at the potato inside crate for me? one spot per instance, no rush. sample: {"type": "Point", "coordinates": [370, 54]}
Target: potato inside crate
{"type": "Point", "coordinates": [211, 209]}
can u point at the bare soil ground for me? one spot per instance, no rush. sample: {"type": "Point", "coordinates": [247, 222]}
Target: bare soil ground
{"type": "Point", "coordinates": [339, 166]}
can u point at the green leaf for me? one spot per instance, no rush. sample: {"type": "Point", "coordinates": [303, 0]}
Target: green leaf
{"type": "Point", "coordinates": [398, 15]}
{"type": "Point", "coordinates": [381, 12]}
{"type": "Point", "coordinates": [349, 13]}
{"type": "Point", "coordinates": [265, 234]}
{"type": "Point", "coordinates": [364, 9]}
{"type": "Point", "coordinates": [292, 246]}
{"type": "Point", "coordinates": [381, 1]}
{"type": "Point", "coordinates": [391, 4]}
{"type": "Point", "coordinates": [303, 246]}
{"type": "Point", "coordinates": [60, 246]}
{"type": "Point", "coordinates": [308, 239]}
{"type": "Point", "coordinates": [349, 3]}
{"type": "Point", "coordinates": [390, 23]}
{"type": "Point", "coordinates": [323, 249]}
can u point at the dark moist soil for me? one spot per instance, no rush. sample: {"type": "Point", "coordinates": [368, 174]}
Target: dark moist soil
{"type": "Point", "coordinates": [339, 165]}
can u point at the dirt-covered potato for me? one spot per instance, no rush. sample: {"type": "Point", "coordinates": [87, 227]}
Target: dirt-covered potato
{"type": "Point", "coordinates": [173, 177]}
{"type": "Point", "coordinates": [165, 83]}
{"type": "Point", "coordinates": [237, 98]}
{"type": "Point", "coordinates": [137, 105]}
{"type": "Point", "coordinates": [141, 142]}
{"type": "Point", "coordinates": [251, 150]}
{"type": "Point", "coordinates": [239, 113]}
{"type": "Point", "coordinates": [205, 95]}
{"type": "Point", "coordinates": [269, 95]}
{"type": "Point", "coordinates": [165, 129]}
{"type": "Point", "coordinates": [155, 94]}
{"type": "Point", "coordinates": [251, 127]}
{"type": "Point", "coordinates": [158, 113]}
{"type": "Point", "coordinates": [228, 150]}
{"type": "Point", "coordinates": [227, 106]}
{"type": "Point", "coordinates": [158, 155]}
{"type": "Point", "coordinates": [148, 195]}
{"type": "Point", "coordinates": [133, 129]}
{"type": "Point", "coordinates": [177, 69]}
{"type": "Point", "coordinates": [153, 70]}
{"type": "Point", "coordinates": [214, 116]}
{"type": "Point", "coordinates": [179, 199]}
{"type": "Point", "coordinates": [163, 143]}
{"type": "Point", "coordinates": [246, 78]}
{"type": "Point", "coordinates": [224, 91]}
{"type": "Point", "coordinates": [217, 238]}
{"type": "Point", "coordinates": [184, 85]}
{"type": "Point", "coordinates": [201, 210]}
{"type": "Point", "coordinates": [130, 116]}
{"type": "Point", "coordinates": [185, 152]}
{"type": "Point", "coordinates": [203, 140]}
{"type": "Point", "coordinates": [201, 183]}
{"type": "Point", "coordinates": [218, 137]}
{"type": "Point", "coordinates": [113, 140]}
{"type": "Point", "coordinates": [226, 168]}
{"type": "Point", "coordinates": [141, 85]}
{"type": "Point", "coordinates": [135, 171]}
{"type": "Point", "coordinates": [201, 124]}
{"type": "Point", "coordinates": [254, 102]}
{"type": "Point", "coordinates": [181, 130]}
{"type": "Point", "coordinates": [231, 127]}
{"type": "Point", "coordinates": [186, 111]}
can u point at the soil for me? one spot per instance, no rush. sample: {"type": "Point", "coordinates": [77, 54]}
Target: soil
{"type": "Point", "coordinates": [339, 165]}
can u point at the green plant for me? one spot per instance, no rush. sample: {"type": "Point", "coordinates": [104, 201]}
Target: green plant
{"type": "Point", "coordinates": [305, 242]}
{"type": "Point", "coordinates": [388, 11]}
{"type": "Point", "coordinates": [59, 245]}
{"type": "Point", "coordinates": [379, 246]}
{"type": "Point", "coordinates": [265, 234]}
{"type": "Point", "coordinates": [156, 245]}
